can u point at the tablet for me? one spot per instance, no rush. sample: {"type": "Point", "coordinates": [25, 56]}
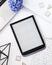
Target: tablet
{"type": "Point", "coordinates": [27, 35]}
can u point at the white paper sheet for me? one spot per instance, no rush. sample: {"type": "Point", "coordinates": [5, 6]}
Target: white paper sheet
{"type": "Point", "coordinates": [5, 14]}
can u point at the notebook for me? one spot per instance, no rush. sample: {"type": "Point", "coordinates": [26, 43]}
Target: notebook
{"type": "Point", "coordinates": [5, 13]}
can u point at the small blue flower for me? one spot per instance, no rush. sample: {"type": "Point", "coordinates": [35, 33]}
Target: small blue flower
{"type": "Point", "coordinates": [15, 5]}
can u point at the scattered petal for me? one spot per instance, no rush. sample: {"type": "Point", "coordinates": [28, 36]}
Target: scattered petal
{"type": "Point", "coordinates": [18, 58]}
{"type": "Point", "coordinates": [23, 63]}
{"type": "Point", "coordinates": [47, 14]}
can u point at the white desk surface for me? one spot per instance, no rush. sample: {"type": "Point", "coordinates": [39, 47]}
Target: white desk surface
{"type": "Point", "coordinates": [43, 57]}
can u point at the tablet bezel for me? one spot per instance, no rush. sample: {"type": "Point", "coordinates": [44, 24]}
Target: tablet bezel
{"type": "Point", "coordinates": [34, 49]}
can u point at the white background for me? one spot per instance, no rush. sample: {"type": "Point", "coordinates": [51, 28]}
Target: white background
{"type": "Point", "coordinates": [43, 57]}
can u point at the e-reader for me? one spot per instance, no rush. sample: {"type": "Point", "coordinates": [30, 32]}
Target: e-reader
{"type": "Point", "coordinates": [28, 35]}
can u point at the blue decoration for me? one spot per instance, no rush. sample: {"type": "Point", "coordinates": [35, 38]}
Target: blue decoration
{"type": "Point", "coordinates": [15, 5]}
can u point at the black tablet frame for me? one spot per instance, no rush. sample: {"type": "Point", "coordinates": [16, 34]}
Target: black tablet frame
{"type": "Point", "coordinates": [31, 50]}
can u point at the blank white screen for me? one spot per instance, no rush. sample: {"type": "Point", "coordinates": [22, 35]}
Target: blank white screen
{"type": "Point", "coordinates": [27, 34]}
